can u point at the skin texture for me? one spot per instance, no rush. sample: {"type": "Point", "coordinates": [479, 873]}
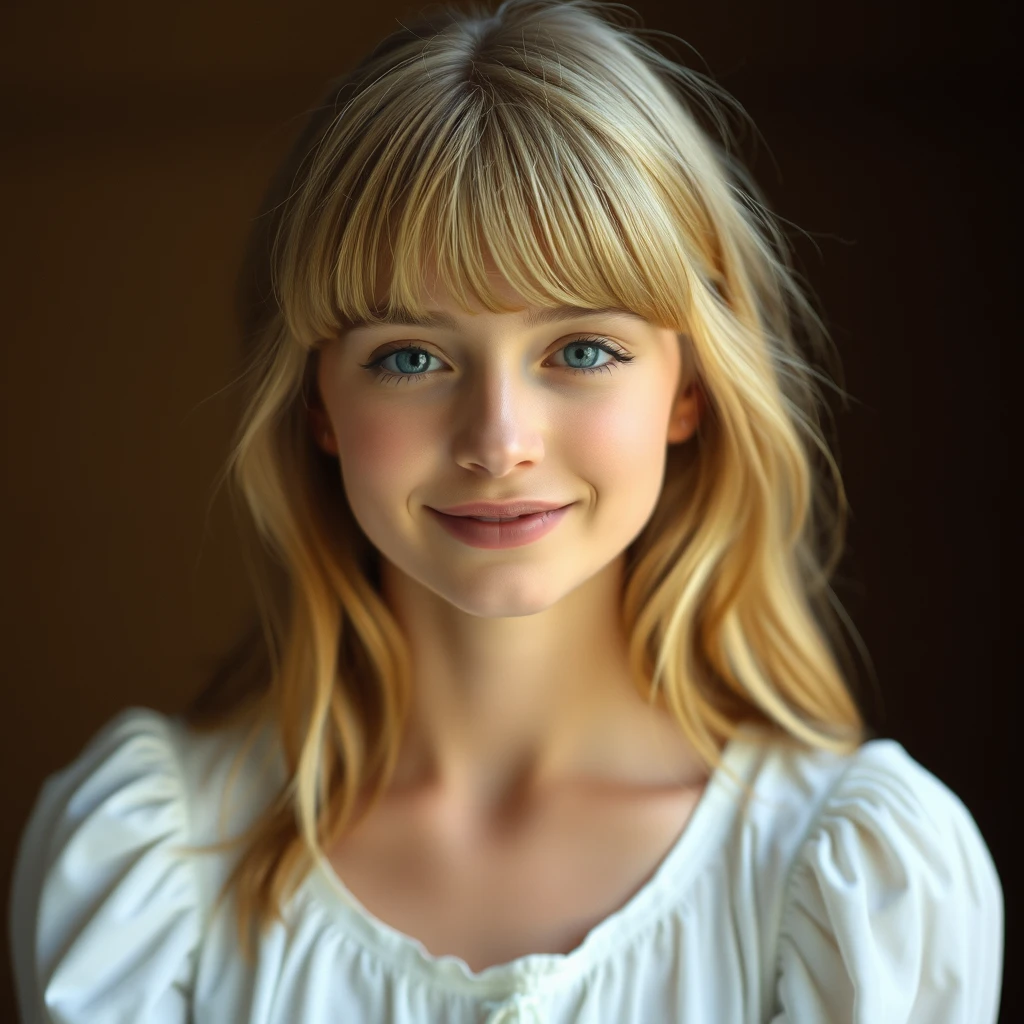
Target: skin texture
{"type": "Point", "coordinates": [520, 675]}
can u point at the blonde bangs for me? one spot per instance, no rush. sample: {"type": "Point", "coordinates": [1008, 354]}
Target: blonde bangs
{"type": "Point", "coordinates": [518, 171]}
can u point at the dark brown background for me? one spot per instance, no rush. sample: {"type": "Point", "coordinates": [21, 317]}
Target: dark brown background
{"type": "Point", "coordinates": [137, 140]}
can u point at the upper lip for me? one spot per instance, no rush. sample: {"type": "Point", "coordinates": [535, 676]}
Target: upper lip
{"type": "Point", "coordinates": [520, 507]}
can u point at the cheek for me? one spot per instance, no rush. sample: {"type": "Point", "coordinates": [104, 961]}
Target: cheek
{"type": "Point", "coordinates": [379, 448]}
{"type": "Point", "coordinates": [622, 451]}
{"type": "Point", "coordinates": [620, 436]}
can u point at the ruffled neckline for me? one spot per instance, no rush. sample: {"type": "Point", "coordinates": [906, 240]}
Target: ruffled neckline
{"type": "Point", "coordinates": [695, 845]}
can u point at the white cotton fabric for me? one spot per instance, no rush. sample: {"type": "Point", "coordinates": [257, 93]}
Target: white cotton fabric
{"type": "Point", "coordinates": [852, 890]}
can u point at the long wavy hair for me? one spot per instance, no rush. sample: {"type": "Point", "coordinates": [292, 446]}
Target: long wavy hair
{"type": "Point", "coordinates": [599, 172]}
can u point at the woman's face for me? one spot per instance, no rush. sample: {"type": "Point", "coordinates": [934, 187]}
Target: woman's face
{"type": "Point", "coordinates": [500, 408]}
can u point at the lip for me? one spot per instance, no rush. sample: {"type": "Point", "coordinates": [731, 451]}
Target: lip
{"type": "Point", "coordinates": [519, 507]}
{"type": "Point", "coordinates": [496, 536]}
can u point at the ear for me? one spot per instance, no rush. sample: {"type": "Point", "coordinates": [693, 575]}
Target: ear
{"type": "Point", "coordinates": [687, 412]}
{"type": "Point", "coordinates": [321, 429]}
{"type": "Point", "coordinates": [319, 422]}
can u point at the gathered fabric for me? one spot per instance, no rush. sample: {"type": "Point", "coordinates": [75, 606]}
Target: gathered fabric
{"type": "Point", "coordinates": [852, 889]}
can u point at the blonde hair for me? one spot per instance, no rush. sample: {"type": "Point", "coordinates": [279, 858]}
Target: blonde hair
{"type": "Point", "coordinates": [599, 173]}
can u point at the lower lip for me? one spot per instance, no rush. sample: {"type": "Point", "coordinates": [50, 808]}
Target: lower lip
{"type": "Point", "coordinates": [492, 536]}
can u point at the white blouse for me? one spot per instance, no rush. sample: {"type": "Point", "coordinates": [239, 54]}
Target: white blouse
{"type": "Point", "coordinates": [853, 890]}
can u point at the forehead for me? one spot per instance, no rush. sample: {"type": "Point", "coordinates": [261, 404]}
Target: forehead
{"type": "Point", "coordinates": [429, 291]}
{"type": "Point", "coordinates": [439, 319]}
{"type": "Point", "coordinates": [431, 304]}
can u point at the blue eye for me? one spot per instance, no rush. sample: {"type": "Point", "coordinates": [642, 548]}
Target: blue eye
{"type": "Point", "coordinates": [416, 360]}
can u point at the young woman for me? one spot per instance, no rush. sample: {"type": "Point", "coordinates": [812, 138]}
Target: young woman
{"type": "Point", "coordinates": [594, 761]}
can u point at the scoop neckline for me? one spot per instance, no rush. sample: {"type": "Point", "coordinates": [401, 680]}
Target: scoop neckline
{"type": "Point", "coordinates": [681, 864]}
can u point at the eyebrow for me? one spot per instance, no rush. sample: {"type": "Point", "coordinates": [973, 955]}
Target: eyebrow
{"type": "Point", "coordinates": [436, 319]}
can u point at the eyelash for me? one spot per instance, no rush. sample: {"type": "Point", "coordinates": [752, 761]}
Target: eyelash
{"type": "Point", "coordinates": [385, 376]}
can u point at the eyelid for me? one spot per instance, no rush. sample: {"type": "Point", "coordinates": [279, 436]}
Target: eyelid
{"type": "Point", "coordinates": [388, 347]}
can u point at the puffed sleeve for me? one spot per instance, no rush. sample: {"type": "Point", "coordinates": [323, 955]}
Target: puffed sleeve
{"type": "Point", "coordinates": [104, 922]}
{"type": "Point", "coordinates": [894, 908]}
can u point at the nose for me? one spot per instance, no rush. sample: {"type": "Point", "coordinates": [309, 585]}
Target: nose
{"type": "Point", "coordinates": [500, 422]}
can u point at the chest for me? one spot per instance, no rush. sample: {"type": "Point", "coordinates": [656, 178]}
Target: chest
{"type": "Point", "coordinates": [541, 892]}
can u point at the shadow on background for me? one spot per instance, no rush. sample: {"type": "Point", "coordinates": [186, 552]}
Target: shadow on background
{"type": "Point", "coordinates": [137, 145]}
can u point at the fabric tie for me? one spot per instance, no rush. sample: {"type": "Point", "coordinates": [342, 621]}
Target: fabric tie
{"type": "Point", "coordinates": [514, 1010]}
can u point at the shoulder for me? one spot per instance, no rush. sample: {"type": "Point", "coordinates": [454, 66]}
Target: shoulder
{"type": "Point", "coordinates": [100, 860]}
{"type": "Point", "coordinates": [131, 761]}
{"type": "Point", "coordinates": [893, 908]}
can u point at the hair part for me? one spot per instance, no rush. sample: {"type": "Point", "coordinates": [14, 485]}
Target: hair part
{"type": "Point", "coordinates": [559, 146]}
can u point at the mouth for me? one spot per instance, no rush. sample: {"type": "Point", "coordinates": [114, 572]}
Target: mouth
{"type": "Point", "coordinates": [494, 511]}
{"type": "Point", "coordinates": [502, 519]}
{"type": "Point", "coordinates": [494, 532]}
{"type": "Point", "coordinates": [499, 519]}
